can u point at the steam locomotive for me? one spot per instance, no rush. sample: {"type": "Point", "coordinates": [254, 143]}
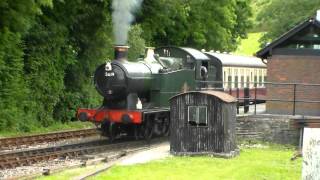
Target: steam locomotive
{"type": "Point", "coordinates": [136, 94]}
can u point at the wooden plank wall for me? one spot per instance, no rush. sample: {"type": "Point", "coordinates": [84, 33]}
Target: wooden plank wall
{"type": "Point", "coordinates": [218, 136]}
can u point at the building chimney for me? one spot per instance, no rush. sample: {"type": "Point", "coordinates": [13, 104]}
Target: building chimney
{"type": "Point", "coordinates": [318, 15]}
{"type": "Point", "coordinates": [121, 52]}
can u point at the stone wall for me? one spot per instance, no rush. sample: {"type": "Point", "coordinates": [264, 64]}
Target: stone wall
{"type": "Point", "coordinates": [271, 128]}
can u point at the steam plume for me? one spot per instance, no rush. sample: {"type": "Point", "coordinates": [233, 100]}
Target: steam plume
{"type": "Point", "coordinates": [122, 17]}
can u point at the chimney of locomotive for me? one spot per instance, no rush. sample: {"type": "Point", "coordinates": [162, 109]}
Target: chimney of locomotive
{"type": "Point", "coordinates": [121, 52]}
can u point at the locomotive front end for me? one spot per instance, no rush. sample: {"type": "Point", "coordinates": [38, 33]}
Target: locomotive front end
{"type": "Point", "coordinates": [117, 79]}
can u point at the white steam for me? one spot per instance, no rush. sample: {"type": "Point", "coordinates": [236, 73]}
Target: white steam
{"type": "Point", "coordinates": [122, 17]}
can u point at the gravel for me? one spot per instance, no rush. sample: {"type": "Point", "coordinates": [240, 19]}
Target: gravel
{"type": "Point", "coordinates": [52, 144]}
{"type": "Point", "coordinates": [158, 152]}
{"type": "Point", "coordinates": [38, 168]}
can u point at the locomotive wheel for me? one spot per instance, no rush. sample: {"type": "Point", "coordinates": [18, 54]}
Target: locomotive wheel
{"type": "Point", "coordinates": [148, 129]}
{"type": "Point", "coordinates": [113, 131]}
{"type": "Point", "coordinates": [158, 125]}
{"type": "Point", "coordinates": [166, 126]}
{"type": "Point", "coordinates": [161, 125]}
{"type": "Point", "coordinates": [105, 128]}
{"type": "Point", "coordinates": [137, 132]}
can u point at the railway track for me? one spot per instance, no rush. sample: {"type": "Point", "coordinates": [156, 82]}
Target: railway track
{"type": "Point", "coordinates": [16, 142]}
{"type": "Point", "coordinates": [29, 157]}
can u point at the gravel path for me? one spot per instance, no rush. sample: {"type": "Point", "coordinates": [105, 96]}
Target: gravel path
{"type": "Point", "coordinates": [159, 152]}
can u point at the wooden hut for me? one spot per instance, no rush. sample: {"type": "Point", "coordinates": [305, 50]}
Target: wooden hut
{"type": "Point", "coordinates": [203, 122]}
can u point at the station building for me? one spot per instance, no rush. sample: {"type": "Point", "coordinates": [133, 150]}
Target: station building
{"type": "Point", "coordinates": [293, 70]}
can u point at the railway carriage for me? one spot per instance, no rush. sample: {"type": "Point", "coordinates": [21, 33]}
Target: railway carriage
{"type": "Point", "coordinates": [239, 72]}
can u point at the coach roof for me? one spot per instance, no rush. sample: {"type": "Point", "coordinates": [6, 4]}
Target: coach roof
{"type": "Point", "coordinates": [237, 60]}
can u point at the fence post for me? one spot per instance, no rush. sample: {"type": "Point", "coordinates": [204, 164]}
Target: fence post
{"type": "Point", "coordinates": [255, 99]}
{"type": "Point", "coordinates": [294, 99]}
{"type": "Point", "coordinates": [246, 101]}
{"type": "Point", "coordinates": [238, 100]}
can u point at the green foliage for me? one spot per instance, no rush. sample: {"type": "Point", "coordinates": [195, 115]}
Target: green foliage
{"type": "Point", "coordinates": [210, 24]}
{"type": "Point", "coordinates": [49, 49]}
{"type": "Point", "coordinates": [257, 7]}
{"type": "Point", "coordinates": [279, 16]}
{"type": "Point", "coordinates": [46, 59]}
{"type": "Point", "coordinates": [89, 32]}
{"type": "Point", "coordinates": [15, 20]}
{"type": "Point", "coordinates": [250, 45]}
{"type": "Point", "coordinates": [136, 43]}
{"type": "Point", "coordinates": [42, 44]}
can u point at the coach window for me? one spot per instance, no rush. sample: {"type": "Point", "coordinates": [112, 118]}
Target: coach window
{"type": "Point", "coordinates": [242, 82]}
{"type": "Point", "coordinates": [260, 77]}
{"type": "Point", "coordinates": [255, 79]}
{"type": "Point", "coordinates": [224, 78]}
{"type": "Point", "coordinates": [197, 115]}
{"type": "Point", "coordinates": [242, 78]}
{"type": "Point", "coordinates": [264, 77]}
{"type": "Point", "coordinates": [236, 78]}
{"type": "Point", "coordinates": [248, 77]}
{"type": "Point", "coordinates": [251, 78]}
{"type": "Point", "coordinates": [229, 79]}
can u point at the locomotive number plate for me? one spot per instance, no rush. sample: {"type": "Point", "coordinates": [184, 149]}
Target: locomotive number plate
{"type": "Point", "coordinates": [109, 74]}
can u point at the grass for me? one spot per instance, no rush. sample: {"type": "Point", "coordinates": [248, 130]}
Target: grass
{"type": "Point", "coordinates": [55, 127]}
{"type": "Point", "coordinates": [271, 162]}
{"type": "Point", "coordinates": [250, 45]}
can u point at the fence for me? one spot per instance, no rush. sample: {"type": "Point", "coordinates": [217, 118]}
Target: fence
{"type": "Point", "coordinates": [258, 92]}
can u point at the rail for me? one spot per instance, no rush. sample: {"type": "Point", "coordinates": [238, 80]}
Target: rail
{"type": "Point", "coordinates": [240, 91]}
{"type": "Point", "coordinates": [29, 157]}
{"type": "Point", "coordinates": [16, 142]}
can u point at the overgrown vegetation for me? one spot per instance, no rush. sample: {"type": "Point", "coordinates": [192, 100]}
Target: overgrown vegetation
{"type": "Point", "coordinates": [50, 48]}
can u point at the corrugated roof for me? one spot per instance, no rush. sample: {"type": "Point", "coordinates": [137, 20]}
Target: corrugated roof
{"type": "Point", "coordinates": [221, 95]}
{"type": "Point", "coordinates": [236, 60]}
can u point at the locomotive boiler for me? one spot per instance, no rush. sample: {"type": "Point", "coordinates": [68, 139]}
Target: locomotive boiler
{"type": "Point", "coordinates": [123, 83]}
{"type": "Point", "coordinates": [135, 94]}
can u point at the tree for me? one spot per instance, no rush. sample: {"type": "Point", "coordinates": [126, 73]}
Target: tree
{"type": "Point", "coordinates": [49, 49]}
{"type": "Point", "coordinates": [280, 16]}
{"type": "Point", "coordinates": [211, 24]}
{"type": "Point", "coordinates": [136, 42]}
{"type": "Point", "coordinates": [89, 27]}
{"type": "Point", "coordinates": [16, 18]}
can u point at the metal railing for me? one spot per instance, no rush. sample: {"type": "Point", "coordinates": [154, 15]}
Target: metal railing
{"type": "Point", "coordinates": [255, 90]}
